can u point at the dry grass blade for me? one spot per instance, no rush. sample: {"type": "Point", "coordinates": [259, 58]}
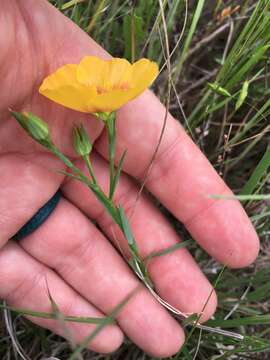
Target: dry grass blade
{"type": "Point", "coordinates": [168, 64]}
{"type": "Point", "coordinates": [15, 343]}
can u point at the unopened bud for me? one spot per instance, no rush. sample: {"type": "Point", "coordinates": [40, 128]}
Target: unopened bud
{"type": "Point", "coordinates": [34, 125]}
{"type": "Point", "coordinates": [82, 144]}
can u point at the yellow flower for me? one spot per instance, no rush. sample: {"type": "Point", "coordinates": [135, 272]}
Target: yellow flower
{"type": "Point", "coordinates": [96, 85]}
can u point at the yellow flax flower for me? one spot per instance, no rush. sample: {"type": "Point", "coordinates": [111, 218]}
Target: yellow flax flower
{"type": "Point", "coordinates": [95, 85]}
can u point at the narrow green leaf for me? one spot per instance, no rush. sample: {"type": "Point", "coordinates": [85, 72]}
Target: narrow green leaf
{"type": "Point", "coordinates": [244, 321]}
{"type": "Point", "coordinates": [257, 174]}
{"type": "Point", "coordinates": [133, 33]}
{"type": "Point", "coordinates": [186, 353]}
{"type": "Point", "coordinates": [127, 231]}
{"type": "Point", "coordinates": [136, 260]}
{"type": "Point", "coordinates": [260, 216]}
{"type": "Point", "coordinates": [242, 96]}
{"type": "Point", "coordinates": [59, 316]}
{"type": "Point", "coordinates": [169, 249]}
{"type": "Point", "coordinates": [55, 307]}
{"type": "Point", "coordinates": [255, 197]}
{"type": "Point", "coordinates": [261, 293]}
{"type": "Point", "coordinates": [219, 90]}
{"type": "Point", "coordinates": [100, 6]}
{"type": "Point", "coordinates": [192, 28]}
{"type": "Point", "coordinates": [71, 3]}
{"type": "Point", "coordinates": [44, 315]}
{"type": "Point", "coordinates": [239, 73]}
{"type": "Point", "coordinates": [100, 327]}
{"type": "Point", "coordinates": [258, 117]}
{"type": "Point", "coordinates": [66, 173]}
{"type": "Point", "coordinates": [107, 203]}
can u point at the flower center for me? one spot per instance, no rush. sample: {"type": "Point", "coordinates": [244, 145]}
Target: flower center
{"type": "Point", "coordinates": [105, 89]}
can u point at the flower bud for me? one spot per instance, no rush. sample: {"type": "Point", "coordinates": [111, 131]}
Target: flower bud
{"type": "Point", "coordinates": [35, 126]}
{"type": "Point", "coordinates": [81, 141]}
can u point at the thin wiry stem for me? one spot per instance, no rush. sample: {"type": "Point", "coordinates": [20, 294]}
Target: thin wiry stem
{"type": "Point", "coordinates": [148, 170]}
{"type": "Point", "coordinates": [16, 345]}
{"type": "Point", "coordinates": [184, 315]}
{"type": "Point", "coordinates": [179, 38]}
{"type": "Point", "coordinates": [198, 345]}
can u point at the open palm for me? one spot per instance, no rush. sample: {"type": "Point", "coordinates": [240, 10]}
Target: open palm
{"type": "Point", "coordinates": [85, 274]}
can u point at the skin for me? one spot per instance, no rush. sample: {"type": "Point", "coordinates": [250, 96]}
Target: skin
{"type": "Point", "coordinates": [85, 274]}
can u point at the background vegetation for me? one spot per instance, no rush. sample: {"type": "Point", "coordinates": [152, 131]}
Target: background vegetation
{"type": "Point", "coordinates": [219, 72]}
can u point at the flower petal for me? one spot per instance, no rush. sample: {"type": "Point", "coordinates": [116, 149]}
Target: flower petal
{"type": "Point", "coordinates": [110, 101]}
{"type": "Point", "coordinates": [63, 88]}
{"type": "Point", "coordinates": [106, 75]}
{"type": "Point", "coordinates": [92, 71]}
{"type": "Point", "coordinates": [120, 73]}
{"type": "Point", "coordinates": [144, 73]}
{"type": "Point", "coordinates": [65, 75]}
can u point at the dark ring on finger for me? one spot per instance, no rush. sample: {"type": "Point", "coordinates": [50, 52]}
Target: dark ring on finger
{"type": "Point", "coordinates": [39, 218]}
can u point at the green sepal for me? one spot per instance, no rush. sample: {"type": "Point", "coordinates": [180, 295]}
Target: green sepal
{"type": "Point", "coordinates": [104, 116]}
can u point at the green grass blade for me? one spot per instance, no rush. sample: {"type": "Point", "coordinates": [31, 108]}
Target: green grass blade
{"type": "Point", "coordinates": [255, 197]}
{"type": "Point", "coordinates": [244, 321]}
{"type": "Point", "coordinates": [193, 26]}
{"type": "Point", "coordinates": [71, 3]}
{"type": "Point", "coordinates": [100, 327]}
{"type": "Point", "coordinates": [242, 96]}
{"type": "Point", "coordinates": [44, 315]}
{"type": "Point", "coordinates": [169, 249]}
{"type": "Point", "coordinates": [240, 72]}
{"type": "Point", "coordinates": [261, 216]}
{"type": "Point", "coordinates": [257, 174]}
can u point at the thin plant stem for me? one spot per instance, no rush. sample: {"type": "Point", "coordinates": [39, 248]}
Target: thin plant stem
{"type": "Point", "coordinates": [90, 168]}
{"type": "Point", "coordinates": [106, 202]}
{"type": "Point", "coordinates": [110, 126]}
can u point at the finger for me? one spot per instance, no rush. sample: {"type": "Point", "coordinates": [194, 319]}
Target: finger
{"type": "Point", "coordinates": [26, 184]}
{"type": "Point", "coordinates": [79, 253]}
{"type": "Point", "coordinates": [176, 276]}
{"type": "Point", "coordinates": [25, 286]}
{"type": "Point", "coordinates": [183, 180]}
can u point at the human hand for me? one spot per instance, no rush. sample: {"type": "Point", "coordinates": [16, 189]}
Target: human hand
{"type": "Point", "coordinates": [85, 274]}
